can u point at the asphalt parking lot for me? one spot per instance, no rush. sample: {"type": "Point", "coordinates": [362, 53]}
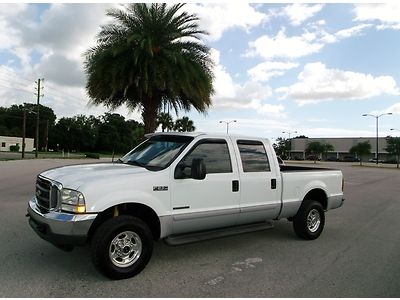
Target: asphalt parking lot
{"type": "Point", "coordinates": [357, 255]}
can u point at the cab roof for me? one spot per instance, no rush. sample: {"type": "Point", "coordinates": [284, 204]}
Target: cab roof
{"type": "Point", "coordinates": [196, 134]}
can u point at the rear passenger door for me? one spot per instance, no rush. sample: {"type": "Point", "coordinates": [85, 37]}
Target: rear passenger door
{"type": "Point", "coordinates": [259, 190]}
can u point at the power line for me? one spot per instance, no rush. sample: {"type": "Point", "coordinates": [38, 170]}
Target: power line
{"type": "Point", "coordinates": [19, 77]}
{"type": "Point", "coordinates": [17, 89]}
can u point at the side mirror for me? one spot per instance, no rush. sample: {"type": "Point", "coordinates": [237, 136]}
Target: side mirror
{"type": "Point", "coordinates": [198, 169]}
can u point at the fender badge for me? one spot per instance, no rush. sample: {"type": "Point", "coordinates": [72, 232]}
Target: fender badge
{"type": "Point", "coordinates": [160, 188]}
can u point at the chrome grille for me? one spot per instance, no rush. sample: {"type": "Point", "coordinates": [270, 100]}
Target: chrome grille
{"type": "Point", "coordinates": [46, 194]}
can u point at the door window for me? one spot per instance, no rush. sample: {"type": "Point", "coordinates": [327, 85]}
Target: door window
{"type": "Point", "coordinates": [215, 154]}
{"type": "Point", "coordinates": [254, 157]}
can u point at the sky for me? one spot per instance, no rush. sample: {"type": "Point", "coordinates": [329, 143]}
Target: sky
{"type": "Point", "coordinates": [304, 69]}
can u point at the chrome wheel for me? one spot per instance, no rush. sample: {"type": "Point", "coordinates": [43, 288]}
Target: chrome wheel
{"type": "Point", "coordinates": [313, 220]}
{"type": "Point", "coordinates": [125, 249]}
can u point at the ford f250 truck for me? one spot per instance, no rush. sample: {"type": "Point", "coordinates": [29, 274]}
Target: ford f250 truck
{"type": "Point", "coordinates": [178, 187]}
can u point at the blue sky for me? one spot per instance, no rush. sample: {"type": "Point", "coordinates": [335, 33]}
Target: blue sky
{"type": "Point", "coordinates": [310, 68]}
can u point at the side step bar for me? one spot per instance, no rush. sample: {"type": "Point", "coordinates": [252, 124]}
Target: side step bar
{"type": "Point", "coordinates": [175, 240]}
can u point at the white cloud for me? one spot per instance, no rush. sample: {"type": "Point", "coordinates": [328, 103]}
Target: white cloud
{"type": "Point", "coordinates": [316, 83]}
{"type": "Point", "coordinates": [282, 46]}
{"type": "Point", "coordinates": [72, 71]}
{"type": "Point", "coordinates": [219, 17]}
{"type": "Point", "coordinates": [268, 69]}
{"type": "Point", "coordinates": [394, 109]}
{"type": "Point", "coordinates": [299, 12]}
{"type": "Point", "coordinates": [352, 31]}
{"type": "Point", "coordinates": [249, 95]}
{"type": "Point", "coordinates": [292, 47]}
{"type": "Point", "coordinates": [387, 14]}
{"type": "Point", "coordinates": [62, 32]}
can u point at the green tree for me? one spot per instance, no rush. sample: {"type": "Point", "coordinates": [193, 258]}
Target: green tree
{"type": "Point", "coordinates": [151, 55]}
{"type": "Point", "coordinates": [184, 125]}
{"type": "Point", "coordinates": [327, 148]}
{"type": "Point", "coordinates": [393, 147]}
{"type": "Point", "coordinates": [316, 149]}
{"type": "Point", "coordinates": [165, 120]}
{"type": "Point", "coordinates": [11, 120]}
{"type": "Point", "coordinates": [117, 135]}
{"type": "Point", "coordinates": [361, 149]}
{"type": "Point", "coordinates": [282, 147]}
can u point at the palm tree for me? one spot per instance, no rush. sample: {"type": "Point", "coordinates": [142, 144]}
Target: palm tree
{"type": "Point", "coordinates": [184, 125]}
{"type": "Point", "coordinates": [151, 55]}
{"type": "Point", "coordinates": [165, 120]}
{"type": "Point", "coordinates": [327, 148]}
{"type": "Point", "coordinates": [393, 147]}
{"type": "Point", "coordinates": [361, 149]}
{"type": "Point", "coordinates": [316, 149]}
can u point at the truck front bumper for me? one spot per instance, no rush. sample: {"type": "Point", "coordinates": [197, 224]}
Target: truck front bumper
{"type": "Point", "coordinates": [58, 228]}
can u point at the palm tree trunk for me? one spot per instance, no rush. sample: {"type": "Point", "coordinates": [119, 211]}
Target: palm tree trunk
{"type": "Point", "coordinates": [149, 116]}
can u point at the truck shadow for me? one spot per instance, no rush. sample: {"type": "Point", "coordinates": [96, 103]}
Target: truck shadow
{"type": "Point", "coordinates": [54, 265]}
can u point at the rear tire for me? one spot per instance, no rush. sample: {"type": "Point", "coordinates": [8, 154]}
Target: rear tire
{"type": "Point", "coordinates": [309, 221]}
{"type": "Point", "coordinates": [122, 247]}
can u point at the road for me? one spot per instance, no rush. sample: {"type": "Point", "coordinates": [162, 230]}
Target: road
{"type": "Point", "coordinates": [357, 255]}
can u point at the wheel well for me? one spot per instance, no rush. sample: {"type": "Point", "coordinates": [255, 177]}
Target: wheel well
{"type": "Point", "coordinates": [319, 196]}
{"type": "Point", "coordinates": [140, 211]}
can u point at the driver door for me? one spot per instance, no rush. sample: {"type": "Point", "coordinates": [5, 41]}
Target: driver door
{"type": "Point", "coordinates": [213, 201]}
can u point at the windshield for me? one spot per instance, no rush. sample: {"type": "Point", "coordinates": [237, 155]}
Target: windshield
{"type": "Point", "coordinates": [158, 152]}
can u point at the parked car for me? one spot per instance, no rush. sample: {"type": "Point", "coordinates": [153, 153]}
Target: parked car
{"type": "Point", "coordinates": [177, 187]}
{"type": "Point", "coordinates": [373, 160]}
{"type": "Point", "coordinates": [332, 158]}
{"type": "Point", "coordinates": [350, 159]}
{"type": "Point", "coordinates": [313, 157]}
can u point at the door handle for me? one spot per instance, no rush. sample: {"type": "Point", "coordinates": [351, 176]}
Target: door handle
{"type": "Point", "coordinates": [235, 185]}
{"type": "Point", "coordinates": [273, 184]}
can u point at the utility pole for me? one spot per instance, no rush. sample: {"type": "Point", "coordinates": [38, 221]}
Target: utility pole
{"type": "Point", "coordinates": [38, 94]}
{"type": "Point", "coordinates": [47, 135]}
{"type": "Point", "coordinates": [23, 134]}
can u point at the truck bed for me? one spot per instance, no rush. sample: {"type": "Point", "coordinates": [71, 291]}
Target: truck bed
{"type": "Point", "coordinates": [287, 169]}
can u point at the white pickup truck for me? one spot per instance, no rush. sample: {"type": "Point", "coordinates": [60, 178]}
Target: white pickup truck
{"type": "Point", "coordinates": [178, 187]}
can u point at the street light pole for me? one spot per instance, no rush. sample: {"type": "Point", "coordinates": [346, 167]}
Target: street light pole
{"type": "Point", "coordinates": [377, 131]}
{"type": "Point", "coordinates": [290, 142]}
{"type": "Point", "coordinates": [227, 124]}
{"type": "Point", "coordinates": [23, 134]}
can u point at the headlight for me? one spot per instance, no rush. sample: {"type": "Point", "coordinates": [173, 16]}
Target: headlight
{"type": "Point", "coordinates": [72, 201]}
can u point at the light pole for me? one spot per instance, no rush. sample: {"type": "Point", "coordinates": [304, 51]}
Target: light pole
{"type": "Point", "coordinates": [227, 124]}
{"type": "Point", "coordinates": [290, 142]}
{"type": "Point", "coordinates": [377, 132]}
{"type": "Point", "coordinates": [395, 129]}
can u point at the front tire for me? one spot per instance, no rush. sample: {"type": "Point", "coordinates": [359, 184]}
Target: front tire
{"type": "Point", "coordinates": [309, 220]}
{"type": "Point", "coordinates": [122, 247]}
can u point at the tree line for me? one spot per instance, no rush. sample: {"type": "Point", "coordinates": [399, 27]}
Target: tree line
{"type": "Point", "coordinates": [109, 132]}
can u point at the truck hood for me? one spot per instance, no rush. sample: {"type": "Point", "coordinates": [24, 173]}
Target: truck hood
{"type": "Point", "coordinates": [77, 176]}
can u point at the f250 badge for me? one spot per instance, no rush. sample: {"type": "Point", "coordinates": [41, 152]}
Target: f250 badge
{"type": "Point", "coordinates": [160, 188]}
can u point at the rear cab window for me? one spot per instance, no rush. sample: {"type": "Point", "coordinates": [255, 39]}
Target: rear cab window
{"type": "Point", "coordinates": [253, 156]}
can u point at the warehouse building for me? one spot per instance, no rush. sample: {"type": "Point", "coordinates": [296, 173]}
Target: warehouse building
{"type": "Point", "coordinates": [7, 141]}
{"type": "Point", "coordinates": [341, 147]}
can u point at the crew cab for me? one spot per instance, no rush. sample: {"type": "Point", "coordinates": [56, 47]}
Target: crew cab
{"type": "Point", "coordinates": [178, 187]}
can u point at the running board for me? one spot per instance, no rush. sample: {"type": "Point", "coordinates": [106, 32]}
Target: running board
{"type": "Point", "coordinates": [176, 240]}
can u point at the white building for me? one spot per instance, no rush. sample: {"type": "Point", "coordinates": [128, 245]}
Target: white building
{"type": "Point", "coordinates": [7, 141]}
{"type": "Point", "coordinates": [341, 146]}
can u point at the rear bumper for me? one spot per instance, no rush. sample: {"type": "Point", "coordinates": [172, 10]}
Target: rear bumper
{"type": "Point", "coordinates": [60, 229]}
{"type": "Point", "coordinates": [335, 201]}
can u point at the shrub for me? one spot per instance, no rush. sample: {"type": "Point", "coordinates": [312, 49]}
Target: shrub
{"type": "Point", "coordinates": [92, 155]}
{"type": "Point", "coordinates": [14, 148]}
